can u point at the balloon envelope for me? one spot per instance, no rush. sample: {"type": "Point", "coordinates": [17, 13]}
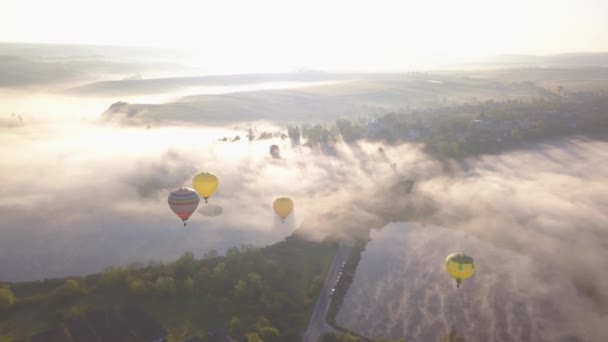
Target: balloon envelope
{"type": "Point", "coordinates": [459, 266]}
{"type": "Point", "coordinates": [283, 206]}
{"type": "Point", "coordinates": [205, 184]}
{"type": "Point", "coordinates": [183, 202]}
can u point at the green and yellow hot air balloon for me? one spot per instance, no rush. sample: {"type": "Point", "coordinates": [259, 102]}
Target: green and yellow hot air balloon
{"type": "Point", "coordinates": [283, 206]}
{"type": "Point", "coordinates": [460, 267]}
{"type": "Point", "coordinates": [205, 184]}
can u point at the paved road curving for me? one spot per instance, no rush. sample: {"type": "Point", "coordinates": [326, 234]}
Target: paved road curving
{"type": "Point", "coordinates": [318, 325]}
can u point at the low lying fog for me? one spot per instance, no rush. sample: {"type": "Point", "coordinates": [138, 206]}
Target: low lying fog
{"type": "Point", "coordinates": [77, 197]}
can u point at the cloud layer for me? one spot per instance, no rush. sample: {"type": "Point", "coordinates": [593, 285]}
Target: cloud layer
{"type": "Point", "coordinates": [77, 198]}
{"type": "Point", "coordinates": [537, 223]}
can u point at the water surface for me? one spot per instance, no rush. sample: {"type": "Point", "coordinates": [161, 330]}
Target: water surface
{"type": "Point", "coordinates": [401, 289]}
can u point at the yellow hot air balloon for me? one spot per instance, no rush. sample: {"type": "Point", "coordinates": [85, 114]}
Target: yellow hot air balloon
{"type": "Point", "coordinates": [205, 184]}
{"type": "Point", "coordinates": [460, 267]}
{"type": "Point", "coordinates": [283, 206]}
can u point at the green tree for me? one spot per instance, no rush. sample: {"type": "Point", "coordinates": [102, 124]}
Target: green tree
{"type": "Point", "coordinates": [220, 275]}
{"type": "Point", "coordinates": [185, 265]}
{"type": "Point", "coordinates": [7, 298]}
{"type": "Point", "coordinates": [253, 337]}
{"type": "Point", "coordinates": [232, 251]}
{"type": "Point", "coordinates": [185, 330]}
{"type": "Point", "coordinates": [188, 285]}
{"type": "Point", "coordinates": [255, 283]}
{"type": "Point", "coordinates": [235, 326]}
{"type": "Point", "coordinates": [71, 288]}
{"type": "Point", "coordinates": [319, 135]}
{"type": "Point", "coordinates": [350, 132]}
{"type": "Point", "coordinates": [351, 338]}
{"type": "Point", "coordinates": [261, 323]}
{"type": "Point", "coordinates": [202, 278]}
{"type": "Point", "coordinates": [315, 287]}
{"type": "Point", "coordinates": [139, 287]}
{"type": "Point", "coordinates": [219, 270]}
{"type": "Point", "coordinates": [240, 289]}
{"type": "Point", "coordinates": [115, 278]}
{"type": "Point", "coordinates": [165, 285]}
{"type": "Point", "coordinates": [270, 334]}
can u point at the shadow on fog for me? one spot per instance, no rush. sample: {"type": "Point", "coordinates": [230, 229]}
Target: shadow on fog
{"type": "Point", "coordinates": [97, 197]}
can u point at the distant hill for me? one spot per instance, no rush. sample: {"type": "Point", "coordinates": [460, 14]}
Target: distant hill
{"type": "Point", "coordinates": [160, 85]}
{"type": "Point", "coordinates": [64, 65]}
{"type": "Point", "coordinates": [377, 94]}
{"type": "Point", "coordinates": [567, 60]}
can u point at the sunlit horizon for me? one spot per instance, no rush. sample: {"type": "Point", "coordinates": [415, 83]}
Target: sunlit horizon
{"type": "Point", "coordinates": [386, 35]}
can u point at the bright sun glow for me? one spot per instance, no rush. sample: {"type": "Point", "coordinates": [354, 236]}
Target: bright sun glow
{"type": "Point", "coordinates": [325, 34]}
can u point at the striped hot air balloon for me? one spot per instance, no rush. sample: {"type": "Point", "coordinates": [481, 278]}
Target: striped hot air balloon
{"type": "Point", "coordinates": [183, 202]}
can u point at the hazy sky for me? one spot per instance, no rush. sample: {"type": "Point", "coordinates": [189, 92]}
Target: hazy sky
{"type": "Point", "coordinates": [313, 32]}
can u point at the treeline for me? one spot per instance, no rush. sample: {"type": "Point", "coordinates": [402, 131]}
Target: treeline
{"type": "Point", "coordinates": [451, 336]}
{"type": "Point", "coordinates": [468, 129]}
{"type": "Point", "coordinates": [251, 294]}
{"type": "Point", "coordinates": [336, 337]}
